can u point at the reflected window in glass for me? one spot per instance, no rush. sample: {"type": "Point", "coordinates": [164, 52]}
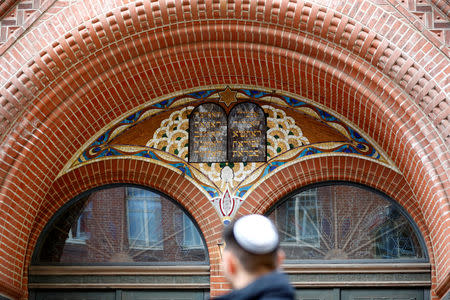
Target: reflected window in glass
{"type": "Point", "coordinates": [144, 219]}
{"type": "Point", "coordinates": [79, 232]}
{"type": "Point", "coordinates": [191, 237]}
{"type": "Point", "coordinates": [301, 219]}
{"type": "Point", "coordinates": [121, 225]}
{"type": "Point", "coordinates": [342, 222]}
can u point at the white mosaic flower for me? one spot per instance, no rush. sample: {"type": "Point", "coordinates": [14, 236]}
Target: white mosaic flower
{"type": "Point", "coordinates": [282, 134]}
{"type": "Point", "coordinates": [172, 135]}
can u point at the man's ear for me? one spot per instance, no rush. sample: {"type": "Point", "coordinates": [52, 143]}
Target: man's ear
{"type": "Point", "coordinates": [280, 257]}
{"type": "Point", "coordinates": [229, 263]}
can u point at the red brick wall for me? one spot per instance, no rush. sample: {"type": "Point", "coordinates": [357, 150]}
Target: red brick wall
{"type": "Point", "coordinates": [77, 70]}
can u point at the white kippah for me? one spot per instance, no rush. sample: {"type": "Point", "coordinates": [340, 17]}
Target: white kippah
{"type": "Point", "coordinates": [256, 234]}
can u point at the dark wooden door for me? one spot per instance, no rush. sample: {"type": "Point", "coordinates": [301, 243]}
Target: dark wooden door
{"type": "Point", "coordinates": [384, 294]}
{"type": "Point", "coordinates": [73, 295]}
{"type": "Point", "coordinates": [362, 294]}
{"type": "Point", "coordinates": [163, 295]}
{"type": "Point", "coordinates": [119, 295]}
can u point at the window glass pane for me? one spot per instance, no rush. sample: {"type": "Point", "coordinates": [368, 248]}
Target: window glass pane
{"type": "Point", "coordinates": [144, 219]}
{"type": "Point", "coordinates": [344, 222]}
{"type": "Point", "coordinates": [135, 205]}
{"type": "Point", "coordinates": [79, 232]}
{"type": "Point", "coordinates": [121, 225]}
{"type": "Point", "coordinates": [136, 226]}
{"type": "Point", "coordinates": [191, 237]}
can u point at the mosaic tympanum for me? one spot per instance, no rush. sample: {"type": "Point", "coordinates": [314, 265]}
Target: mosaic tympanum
{"type": "Point", "coordinates": [296, 130]}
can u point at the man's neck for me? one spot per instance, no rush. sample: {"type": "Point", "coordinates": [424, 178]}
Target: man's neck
{"type": "Point", "coordinates": [244, 278]}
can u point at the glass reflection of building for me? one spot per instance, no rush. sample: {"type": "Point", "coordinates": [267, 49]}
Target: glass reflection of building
{"type": "Point", "coordinates": [122, 225]}
{"type": "Point", "coordinates": [344, 223]}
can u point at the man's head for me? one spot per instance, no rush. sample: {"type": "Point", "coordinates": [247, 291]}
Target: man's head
{"type": "Point", "coordinates": [252, 249]}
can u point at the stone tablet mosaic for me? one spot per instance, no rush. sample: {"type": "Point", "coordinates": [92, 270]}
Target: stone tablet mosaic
{"type": "Point", "coordinates": [247, 133]}
{"type": "Point", "coordinates": [208, 134]}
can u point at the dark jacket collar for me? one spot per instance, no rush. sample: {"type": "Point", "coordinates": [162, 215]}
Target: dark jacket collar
{"type": "Point", "coordinates": [272, 286]}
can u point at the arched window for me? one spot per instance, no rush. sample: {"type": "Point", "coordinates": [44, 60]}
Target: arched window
{"type": "Point", "coordinates": [121, 225]}
{"type": "Point", "coordinates": [346, 223]}
{"type": "Point", "coordinates": [347, 241]}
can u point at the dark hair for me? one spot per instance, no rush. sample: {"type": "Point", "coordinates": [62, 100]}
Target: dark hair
{"type": "Point", "coordinates": [251, 262]}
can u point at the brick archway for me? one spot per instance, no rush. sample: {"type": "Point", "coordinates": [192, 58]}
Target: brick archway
{"type": "Point", "coordinates": [94, 73]}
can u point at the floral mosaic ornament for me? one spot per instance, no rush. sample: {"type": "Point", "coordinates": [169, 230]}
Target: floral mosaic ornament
{"type": "Point", "coordinates": [296, 130]}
